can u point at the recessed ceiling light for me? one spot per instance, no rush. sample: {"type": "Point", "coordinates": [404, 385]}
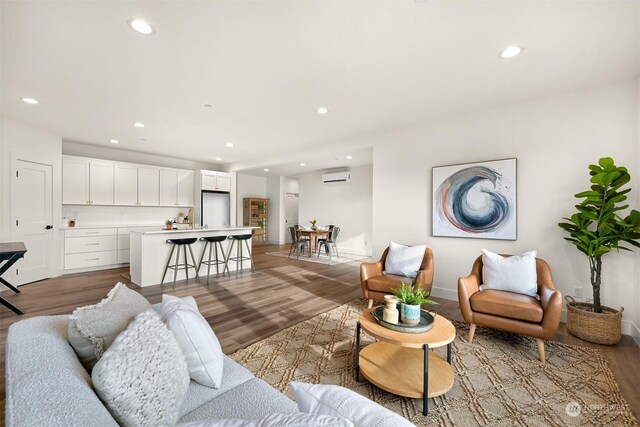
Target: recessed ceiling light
{"type": "Point", "coordinates": [266, 170]}
{"type": "Point", "coordinates": [138, 124]}
{"type": "Point", "coordinates": [141, 26]}
{"type": "Point", "coordinates": [30, 101]}
{"type": "Point", "coordinates": [303, 164]}
{"type": "Point", "coordinates": [322, 110]}
{"type": "Point", "coordinates": [208, 106]}
{"type": "Point", "coordinates": [219, 159]}
{"type": "Point", "coordinates": [113, 141]}
{"type": "Point", "coordinates": [229, 144]}
{"type": "Point", "coordinates": [143, 139]}
{"type": "Point", "coordinates": [511, 51]}
{"type": "Point", "coordinates": [349, 157]}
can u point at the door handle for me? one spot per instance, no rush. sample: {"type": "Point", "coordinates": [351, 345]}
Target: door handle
{"type": "Point", "coordinates": [48, 227]}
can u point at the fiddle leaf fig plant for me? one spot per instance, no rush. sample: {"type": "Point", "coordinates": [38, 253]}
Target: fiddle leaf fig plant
{"type": "Point", "coordinates": [599, 227]}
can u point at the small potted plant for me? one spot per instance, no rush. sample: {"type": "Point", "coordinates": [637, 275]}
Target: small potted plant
{"type": "Point", "coordinates": [313, 223]}
{"type": "Point", "coordinates": [168, 224]}
{"type": "Point", "coordinates": [411, 299]}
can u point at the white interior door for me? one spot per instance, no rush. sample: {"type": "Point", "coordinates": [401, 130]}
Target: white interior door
{"type": "Point", "coordinates": [31, 220]}
{"type": "Point", "coordinates": [290, 213]}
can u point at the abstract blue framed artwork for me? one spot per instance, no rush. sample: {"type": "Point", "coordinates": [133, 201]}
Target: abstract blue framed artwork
{"type": "Point", "coordinates": [475, 200]}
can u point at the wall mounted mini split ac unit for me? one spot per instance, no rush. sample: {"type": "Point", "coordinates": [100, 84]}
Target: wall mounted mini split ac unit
{"type": "Point", "coordinates": [336, 177]}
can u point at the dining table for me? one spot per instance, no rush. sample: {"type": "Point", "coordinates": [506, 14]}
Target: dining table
{"type": "Point", "coordinates": [314, 236]}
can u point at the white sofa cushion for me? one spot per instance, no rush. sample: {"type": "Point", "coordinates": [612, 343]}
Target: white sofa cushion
{"type": "Point", "coordinates": [404, 260]}
{"type": "Point", "coordinates": [199, 344]}
{"type": "Point", "coordinates": [93, 328]}
{"type": "Point", "coordinates": [516, 273]}
{"type": "Point", "coordinates": [143, 378]}
{"type": "Point", "coordinates": [297, 419]}
{"type": "Point", "coordinates": [336, 401]}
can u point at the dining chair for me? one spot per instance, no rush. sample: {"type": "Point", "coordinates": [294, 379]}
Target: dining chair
{"type": "Point", "coordinates": [330, 243]}
{"type": "Point", "coordinates": [296, 242]}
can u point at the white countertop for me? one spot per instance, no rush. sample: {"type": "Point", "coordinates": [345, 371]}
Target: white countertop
{"type": "Point", "coordinates": [196, 230]}
{"type": "Point", "coordinates": [118, 225]}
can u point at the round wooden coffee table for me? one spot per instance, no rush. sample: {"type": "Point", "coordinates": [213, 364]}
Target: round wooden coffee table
{"type": "Point", "coordinates": [401, 363]}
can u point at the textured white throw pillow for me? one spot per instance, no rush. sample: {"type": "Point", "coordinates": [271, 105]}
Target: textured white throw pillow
{"type": "Point", "coordinates": [93, 328]}
{"type": "Point", "coordinates": [143, 378]}
{"type": "Point", "coordinates": [516, 273]}
{"type": "Point", "coordinates": [404, 260]}
{"type": "Point", "coordinates": [336, 401]}
{"type": "Point", "coordinates": [199, 344]}
{"type": "Point", "coordinates": [296, 419]}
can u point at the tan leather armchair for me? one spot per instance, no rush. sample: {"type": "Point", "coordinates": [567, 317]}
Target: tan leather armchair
{"type": "Point", "coordinates": [375, 284]}
{"type": "Point", "coordinates": [511, 312]}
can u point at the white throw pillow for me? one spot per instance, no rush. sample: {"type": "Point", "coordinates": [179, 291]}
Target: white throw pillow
{"type": "Point", "coordinates": [404, 260]}
{"type": "Point", "coordinates": [336, 401]}
{"type": "Point", "coordinates": [199, 344]}
{"type": "Point", "coordinates": [93, 328]}
{"type": "Point", "coordinates": [296, 419]}
{"type": "Point", "coordinates": [143, 378]}
{"type": "Point", "coordinates": [516, 273]}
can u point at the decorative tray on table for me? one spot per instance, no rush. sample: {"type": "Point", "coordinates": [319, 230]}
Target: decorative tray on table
{"type": "Point", "coordinates": [425, 324]}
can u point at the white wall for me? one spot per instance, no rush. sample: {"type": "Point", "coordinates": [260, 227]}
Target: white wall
{"type": "Point", "coordinates": [554, 139]}
{"type": "Point", "coordinates": [276, 207]}
{"type": "Point", "coordinates": [347, 205]}
{"type": "Point", "coordinates": [249, 186]}
{"type": "Point", "coordinates": [39, 146]}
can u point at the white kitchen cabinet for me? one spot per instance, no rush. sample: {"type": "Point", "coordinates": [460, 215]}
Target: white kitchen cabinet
{"type": "Point", "coordinates": [87, 247]}
{"type": "Point", "coordinates": [86, 182]}
{"type": "Point", "coordinates": [75, 181]}
{"type": "Point", "coordinates": [185, 189]}
{"type": "Point", "coordinates": [136, 186]}
{"type": "Point", "coordinates": [168, 187]}
{"type": "Point", "coordinates": [100, 183]}
{"type": "Point", "coordinates": [216, 181]}
{"type": "Point", "coordinates": [176, 188]}
{"type": "Point", "coordinates": [148, 186]}
{"type": "Point", "coordinates": [125, 185]}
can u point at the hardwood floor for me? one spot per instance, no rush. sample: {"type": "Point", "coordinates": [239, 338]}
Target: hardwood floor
{"type": "Point", "coordinates": [256, 305]}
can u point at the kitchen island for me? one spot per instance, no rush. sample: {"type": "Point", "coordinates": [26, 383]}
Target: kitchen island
{"type": "Point", "coordinates": [149, 252]}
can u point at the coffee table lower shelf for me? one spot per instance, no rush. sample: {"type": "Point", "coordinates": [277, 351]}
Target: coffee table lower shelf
{"type": "Point", "coordinates": [400, 370]}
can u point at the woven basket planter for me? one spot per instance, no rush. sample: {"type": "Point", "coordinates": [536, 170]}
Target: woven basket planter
{"type": "Point", "coordinates": [600, 328]}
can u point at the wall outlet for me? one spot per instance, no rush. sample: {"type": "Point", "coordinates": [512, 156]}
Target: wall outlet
{"type": "Point", "coordinates": [577, 291]}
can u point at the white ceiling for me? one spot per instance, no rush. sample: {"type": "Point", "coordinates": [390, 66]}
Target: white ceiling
{"type": "Point", "coordinates": [315, 161]}
{"type": "Point", "coordinates": [266, 66]}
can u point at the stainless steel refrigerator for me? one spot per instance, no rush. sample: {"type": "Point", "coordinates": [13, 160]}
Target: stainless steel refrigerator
{"type": "Point", "coordinates": [216, 208]}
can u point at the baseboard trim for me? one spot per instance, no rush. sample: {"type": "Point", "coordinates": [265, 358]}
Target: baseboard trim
{"type": "Point", "coordinates": [445, 293]}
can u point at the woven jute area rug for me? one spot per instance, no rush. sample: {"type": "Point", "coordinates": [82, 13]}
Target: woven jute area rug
{"type": "Point", "coordinates": [498, 379]}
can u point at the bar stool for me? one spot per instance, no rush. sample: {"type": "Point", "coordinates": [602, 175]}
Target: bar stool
{"type": "Point", "coordinates": [181, 266]}
{"type": "Point", "coordinates": [239, 258]}
{"type": "Point", "coordinates": [213, 242]}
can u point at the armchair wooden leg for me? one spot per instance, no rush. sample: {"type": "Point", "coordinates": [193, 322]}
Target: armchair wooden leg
{"type": "Point", "coordinates": [472, 331]}
{"type": "Point", "coordinates": [540, 343]}
{"type": "Point", "coordinates": [370, 303]}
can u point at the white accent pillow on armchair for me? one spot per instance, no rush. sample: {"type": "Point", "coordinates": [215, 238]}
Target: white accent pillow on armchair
{"type": "Point", "coordinates": [516, 273]}
{"type": "Point", "coordinates": [404, 260]}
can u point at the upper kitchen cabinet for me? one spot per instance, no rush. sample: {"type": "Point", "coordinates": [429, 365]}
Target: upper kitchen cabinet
{"type": "Point", "coordinates": [86, 182]}
{"type": "Point", "coordinates": [148, 186]}
{"type": "Point", "coordinates": [126, 185]}
{"type": "Point", "coordinates": [136, 185]}
{"type": "Point", "coordinates": [176, 188]}
{"type": "Point", "coordinates": [75, 181]}
{"type": "Point", "coordinates": [216, 181]}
